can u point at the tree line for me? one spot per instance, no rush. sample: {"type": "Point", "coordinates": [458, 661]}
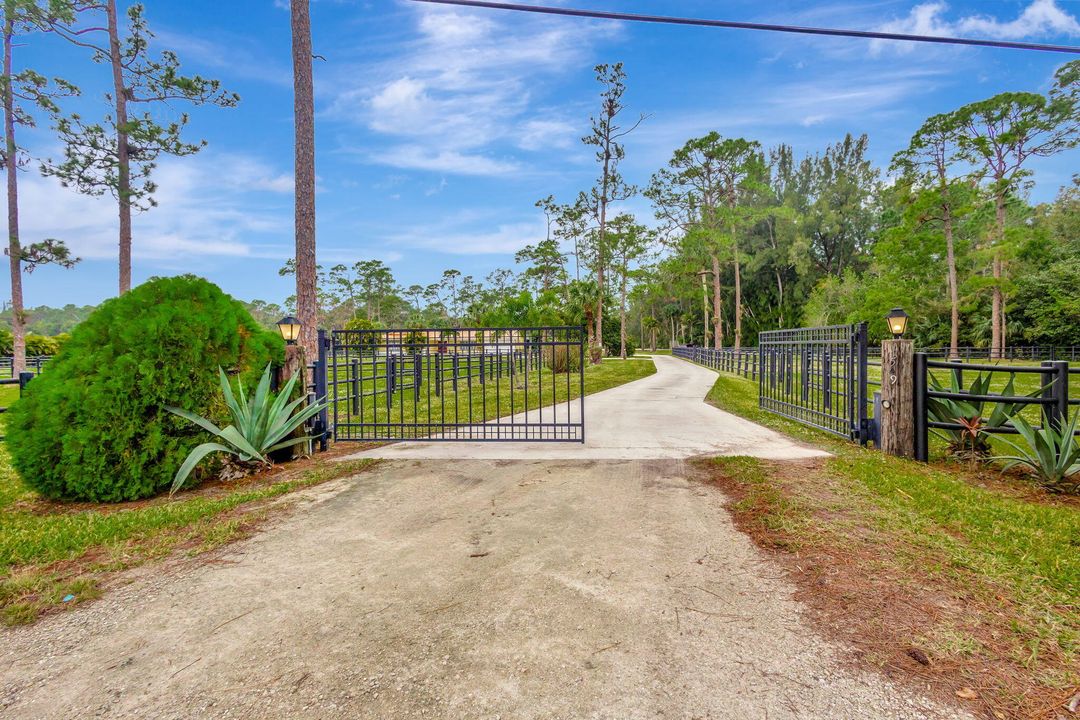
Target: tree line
{"type": "Point", "coordinates": [114, 152]}
{"type": "Point", "coordinates": [743, 238]}
{"type": "Point", "coordinates": [746, 238]}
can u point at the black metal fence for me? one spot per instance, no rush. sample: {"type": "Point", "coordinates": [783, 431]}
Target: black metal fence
{"type": "Point", "coordinates": [1052, 398]}
{"type": "Point", "coordinates": [34, 365]}
{"type": "Point", "coordinates": [743, 361]}
{"type": "Point", "coordinates": [1034, 353]}
{"type": "Point", "coordinates": [478, 384]}
{"type": "Point", "coordinates": [817, 376]}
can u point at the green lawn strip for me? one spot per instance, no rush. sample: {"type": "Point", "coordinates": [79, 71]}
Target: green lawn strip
{"type": "Point", "coordinates": [8, 395]}
{"type": "Point", "coordinates": [45, 556]}
{"type": "Point", "coordinates": [994, 541]}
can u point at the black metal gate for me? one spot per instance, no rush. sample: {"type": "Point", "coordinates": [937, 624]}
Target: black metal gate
{"type": "Point", "coordinates": [479, 384]}
{"type": "Point", "coordinates": [817, 376]}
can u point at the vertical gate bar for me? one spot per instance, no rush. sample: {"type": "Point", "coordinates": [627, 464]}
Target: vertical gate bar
{"type": "Point", "coordinates": [418, 370]}
{"type": "Point", "coordinates": [324, 395]}
{"type": "Point", "coordinates": [581, 380]}
{"type": "Point", "coordinates": [333, 353]}
{"type": "Point", "coordinates": [919, 390]}
{"type": "Point", "coordinates": [389, 383]}
{"type": "Point", "coordinates": [826, 380]}
{"type": "Point", "coordinates": [805, 377]}
{"type": "Point", "coordinates": [355, 369]}
{"type": "Point", "coordinates": [863, 397]}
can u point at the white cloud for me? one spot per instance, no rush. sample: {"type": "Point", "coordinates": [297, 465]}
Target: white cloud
{"type": "Point", "coordinates": [465, 88]}
{"type": "Point", "coordinates": [210, 205]}
{"type": "Point", "coordinates": [1041, 18]}
{"type": "Point", "coordinates": [234, 57]}
{"type": "Point", "coordinates": [471, 233]}
{"type": "Point", "coordinates": [547, 134]}
{"type": "Point", "coordinates": [425, 157]}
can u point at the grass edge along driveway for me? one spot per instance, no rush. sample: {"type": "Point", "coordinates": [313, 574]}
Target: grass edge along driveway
{"type": "Point", "coordinates": [968, 581]}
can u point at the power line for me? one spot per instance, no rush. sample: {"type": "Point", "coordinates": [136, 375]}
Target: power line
{"type": "Point", "coordinates": [770, 27]}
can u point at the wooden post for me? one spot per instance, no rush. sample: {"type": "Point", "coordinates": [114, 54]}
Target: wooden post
{"type": "Point", "coordinates": [896, 426]}
{"type": "Point", "coordinates": [294, 362]}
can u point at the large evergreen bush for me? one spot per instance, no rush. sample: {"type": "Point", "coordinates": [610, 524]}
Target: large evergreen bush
{"type": "Point", "coordinates": [93, 426]}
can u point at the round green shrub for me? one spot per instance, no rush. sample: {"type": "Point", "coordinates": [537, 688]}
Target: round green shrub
{"type": "Point", "coordinates": [93, 426]}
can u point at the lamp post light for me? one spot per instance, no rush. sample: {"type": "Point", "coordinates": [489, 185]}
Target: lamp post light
{"type": "Point", "coordinates": [898, 321]}
{"type": "Point", "coordinates": [289, 327]}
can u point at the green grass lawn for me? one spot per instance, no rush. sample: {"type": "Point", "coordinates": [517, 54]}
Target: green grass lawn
{"type": "Point", "coordinates": [8, 395]}
{"type": "Point", "coordinates": [1010, 550]}
{"type": "Point", "coordinates": [50, 552]}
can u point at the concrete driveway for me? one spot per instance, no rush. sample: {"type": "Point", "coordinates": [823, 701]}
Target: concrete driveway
{"type": "Point", "coordinates": [663, 416]}
{"type": "Point", "coordinates": [554, 590]}
{"type": "Point", "coordinates": [452, 589]}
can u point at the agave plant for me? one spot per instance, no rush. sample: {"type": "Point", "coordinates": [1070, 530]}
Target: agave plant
{"type": "Point", "coordinates": [970, 414]}
{"type": "Point", "coordinates": [261, 424]}
{"type": "Point", "coordinates": [1052, 452]}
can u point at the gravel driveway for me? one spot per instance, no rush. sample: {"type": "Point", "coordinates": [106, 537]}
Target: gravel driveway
{"type": "Point", "coordinates": [471, 589]}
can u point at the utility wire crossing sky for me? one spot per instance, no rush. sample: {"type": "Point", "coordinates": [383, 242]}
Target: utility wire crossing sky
{"type": "Point", "coordinates": [769, 27]}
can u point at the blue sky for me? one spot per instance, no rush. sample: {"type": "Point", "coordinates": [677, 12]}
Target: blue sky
{"type": "Point", "coordinates": [437, 128]}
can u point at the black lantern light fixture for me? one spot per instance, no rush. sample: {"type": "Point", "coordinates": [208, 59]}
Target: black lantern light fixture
{"type": "Point", "coordinates": [897, 320]}
{"type": "Point", "coordinates": [289, 327]}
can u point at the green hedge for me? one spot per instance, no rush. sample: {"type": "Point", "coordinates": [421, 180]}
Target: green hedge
{"type": "Point", "coordinates": [94, 427]}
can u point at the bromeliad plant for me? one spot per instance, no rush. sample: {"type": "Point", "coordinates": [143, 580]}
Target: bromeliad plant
{"type": "Point", "coordinates": [261, 424]}
{"type": "Point", "coordinates": [970, 440]}
{"type": "Point", "coordinates": [1052, 452]}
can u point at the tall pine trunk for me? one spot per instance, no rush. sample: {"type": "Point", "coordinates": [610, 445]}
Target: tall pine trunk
{"type": "Point", "coordinates": [718, 309]}
{"type": "Point", "coordinates": [954, 293]}
{"type": "Point", "coordinates": [602, 237]}
{"type": "Point", "coordinates": [123, 160]}
{"type": "Point", "coordinates": [997, 334]}
{"type": "Point", "coordinates": [738, 299]}
{"type": "Point", "coordinates": [622, 315]}
{"type": "Point", "coordinates": [304, 121]}
{"type": "Point", "coordinates": [18, 317]}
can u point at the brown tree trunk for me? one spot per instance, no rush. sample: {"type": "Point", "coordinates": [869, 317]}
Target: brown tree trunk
{"type": "Point", "coordinates": [123, 160]}
{"type": "Point", "coordinates": [705, 309]}
{"type": "Point", "coordinates": [954, 296]}
{"type": "Point", "coordinates": [738, 299]}
{"type": "Point", "coordinates": [304, 119]}
{"type": "Point", "coordinates": [601, 239]}
{"type": "Point", "coordinates": [718, 309]}
{"type": "Point", "coordinates": [18, 317]}
{"type": "Point", "coordinates": [997, 339]}
{"type": "Point", "coordinates": [622, 316]}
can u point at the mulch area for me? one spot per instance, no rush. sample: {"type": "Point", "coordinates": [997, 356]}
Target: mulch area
{"type": "Point", "coordinates": [862, 587]}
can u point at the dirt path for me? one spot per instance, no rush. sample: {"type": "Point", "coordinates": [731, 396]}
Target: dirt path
{"type": "Point", "coordinates": [479, 589]}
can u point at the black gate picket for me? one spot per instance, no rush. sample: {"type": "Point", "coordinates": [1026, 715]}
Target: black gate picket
{"type": "Point", "coordinates": [459, 384]}
{"type": "Point", "coordinates": [817, 376]}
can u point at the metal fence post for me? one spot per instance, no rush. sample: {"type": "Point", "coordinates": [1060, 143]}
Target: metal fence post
{"type": "Point", "coordinates": [1056, 382]}
{"type": "Point", "coordinates": [321, 392]}
{"type": "Point", "coordinates": [863, 428]}
{"type": "Point", "coordinates": [922, 444]}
